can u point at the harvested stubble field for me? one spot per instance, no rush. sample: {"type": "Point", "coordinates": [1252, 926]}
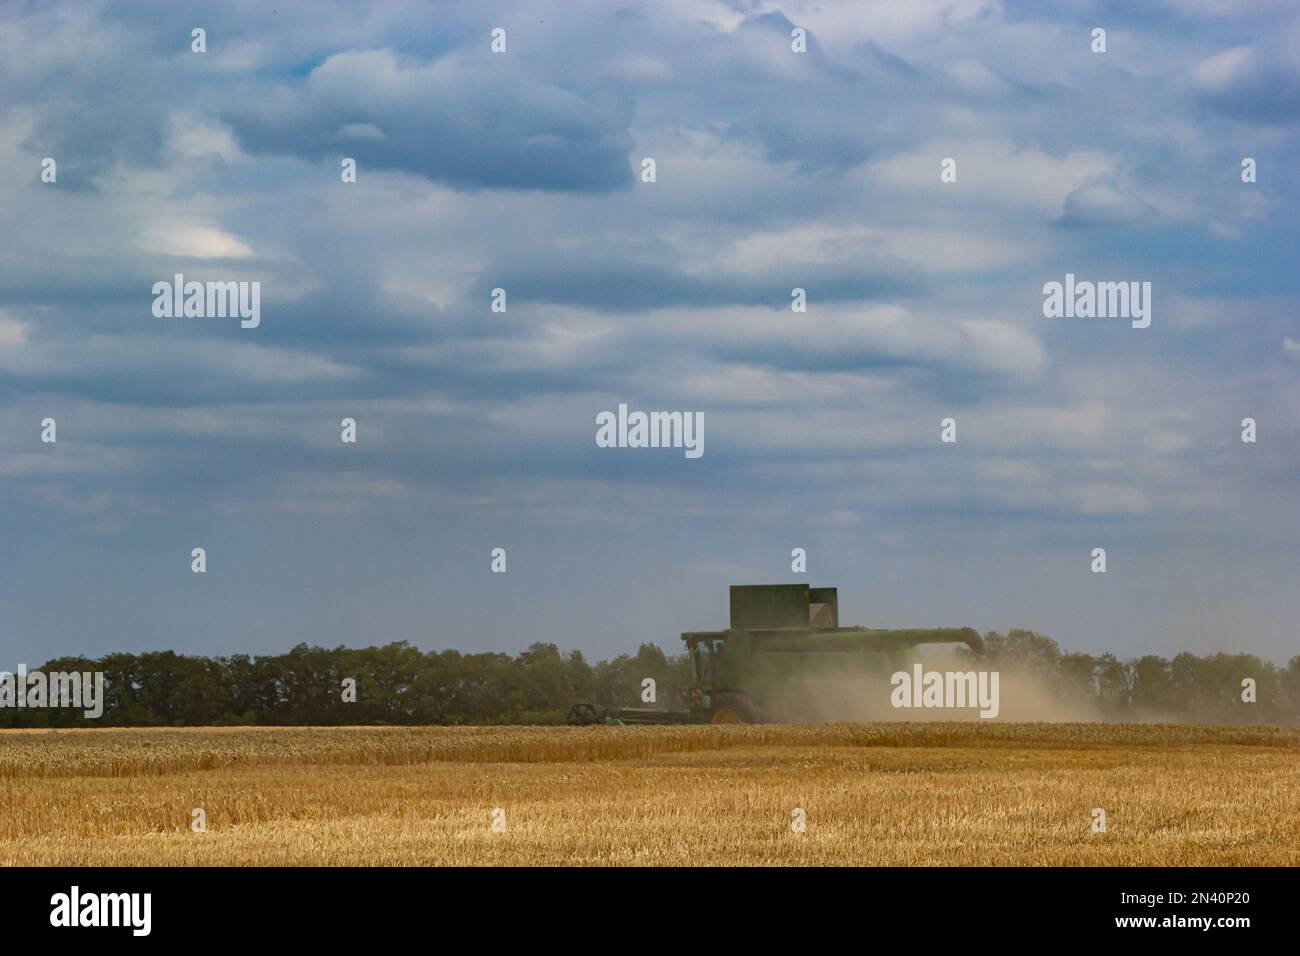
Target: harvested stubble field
{"type": "Point", "coordinates": [924, 793]}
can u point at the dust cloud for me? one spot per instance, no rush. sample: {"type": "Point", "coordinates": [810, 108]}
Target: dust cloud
{"type": "Point", "coordinates": [867, 696]}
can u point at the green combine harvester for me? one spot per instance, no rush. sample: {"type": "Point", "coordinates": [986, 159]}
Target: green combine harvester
{"type": "Point", "coordinates": [782, 637]}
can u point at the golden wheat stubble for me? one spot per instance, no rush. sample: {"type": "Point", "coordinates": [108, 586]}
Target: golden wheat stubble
{"type": "Point", "coordinates": [875, 794]}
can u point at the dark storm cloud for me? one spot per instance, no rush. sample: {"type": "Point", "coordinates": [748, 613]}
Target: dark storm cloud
{"type": "Point", "coordinates": [473, 123]}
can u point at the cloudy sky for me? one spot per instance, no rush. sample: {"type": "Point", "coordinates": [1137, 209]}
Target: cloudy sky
{"type": "Point", "coordinates": [521, 170]}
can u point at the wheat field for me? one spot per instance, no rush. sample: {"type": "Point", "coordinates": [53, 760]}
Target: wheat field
{"type": "Point", "coordinates": [870, 794]}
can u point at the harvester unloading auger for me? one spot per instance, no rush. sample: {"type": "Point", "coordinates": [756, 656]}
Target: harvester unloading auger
{"type": "Point", "coordinates": [781, 636]}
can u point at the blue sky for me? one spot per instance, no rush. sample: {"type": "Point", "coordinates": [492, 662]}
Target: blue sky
{"type": "Point", "coordinates": [520, 170]}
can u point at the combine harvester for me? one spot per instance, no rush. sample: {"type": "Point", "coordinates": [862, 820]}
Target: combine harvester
{"type": "Point", "coordinates": [784, 639]}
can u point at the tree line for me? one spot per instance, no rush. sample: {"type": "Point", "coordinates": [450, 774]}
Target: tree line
{"type": "Point", "coordinates": [1208, 690]}
{"type": "Point", "coordinates": [399, 684]}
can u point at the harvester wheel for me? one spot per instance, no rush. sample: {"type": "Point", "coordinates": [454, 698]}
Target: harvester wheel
{"type": "Point", "coordinates": [733, 709]}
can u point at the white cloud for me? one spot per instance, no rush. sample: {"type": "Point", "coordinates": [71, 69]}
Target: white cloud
{"type": "Point", "coordinates": [12, 332]}
{"type": "Point", "coordinates": [995, 171]}
{"type": "Point", "coordinates": [1221, 71]}
{"type": "Point", "coordinates": [192, 136]}
{"type": "Point", "coordinates": [193, 241]}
